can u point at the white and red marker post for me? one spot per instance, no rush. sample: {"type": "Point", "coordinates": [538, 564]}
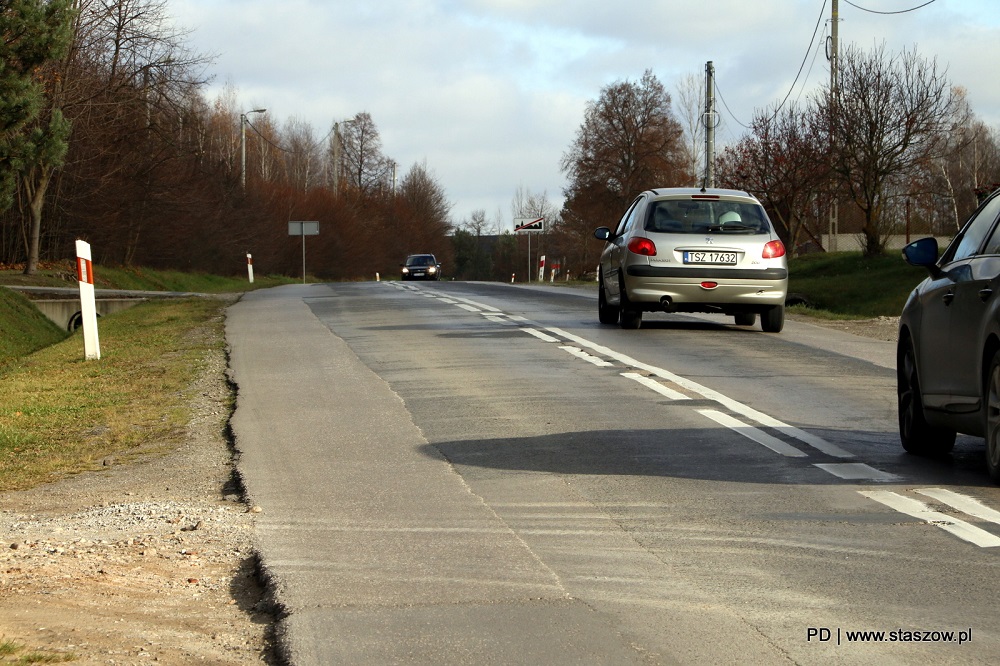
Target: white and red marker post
{"type": "Point", "coordinates": [250, 267]}
{"type": "Point", "coordinates": [88, 303]}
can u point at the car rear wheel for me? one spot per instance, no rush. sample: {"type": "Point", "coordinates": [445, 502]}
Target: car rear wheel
{"type": "Point", "coordinates": [745, 318]}
{"type": "Point", "coordinates": [993, 419]}
{"type": "Point", "coordinates": [631, 318]}
{"type": "Point", "coordinates": [773, 320]}
{"type": "Point", "coordinates": [916, 435]}
{"type": "Point", "coordinates": [606, 313]}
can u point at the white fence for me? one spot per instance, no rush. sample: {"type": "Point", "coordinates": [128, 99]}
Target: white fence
{"type": "Point", "coordinates": [855, 242]}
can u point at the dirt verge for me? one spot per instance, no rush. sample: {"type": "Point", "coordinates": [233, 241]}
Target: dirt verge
{"type": "Point", "coordinates": [146, 562]}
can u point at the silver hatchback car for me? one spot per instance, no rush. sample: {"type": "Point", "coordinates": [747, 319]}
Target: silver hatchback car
{"type": "Point", "coordinates": [693, 250]}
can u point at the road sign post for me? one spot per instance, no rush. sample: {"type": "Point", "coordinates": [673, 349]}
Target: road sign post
{"type": "Point", "coordinates": [527, 225]}
{"type": "Point", "coordinates": [303, 229]}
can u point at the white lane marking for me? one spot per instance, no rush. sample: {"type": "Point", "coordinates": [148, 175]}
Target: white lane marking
{"type": "Point", "coordinates": [477, 305]}
{"type": "Point", "coordinates": [579, 353]}
{"type": "Point", "coordinates": [963, 503]}
{"type": "Point", "coordinates": [732, 405]}
{"type": "Point", "coordinates": [651, 383]}
{"type": "Point", "coordinates": [752, 433]}
{"type": "Point", "coordinates": [856, 472]}
{"type": "Point", "coordinates": [921, 511]}
{"type": "Point", "coordinates": [470, 308]}
{"type": "Point", "coordinates": [545, 337]}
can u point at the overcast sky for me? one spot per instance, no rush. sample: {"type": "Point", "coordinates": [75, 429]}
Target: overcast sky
{"type": "Point", "coordinates": [490, 93]}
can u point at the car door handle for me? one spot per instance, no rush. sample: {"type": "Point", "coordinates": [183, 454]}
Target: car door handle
{"type": "Point", "coordinates": [985, 293]}
{"type": "Point", "coordinates": [948, 297]}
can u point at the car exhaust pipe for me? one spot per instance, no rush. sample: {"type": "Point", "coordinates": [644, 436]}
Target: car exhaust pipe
{"type": "Point", "coordinates": [667, 303]}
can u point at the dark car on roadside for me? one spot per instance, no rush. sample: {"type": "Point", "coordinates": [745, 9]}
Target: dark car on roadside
{"type": "Point", "coordinates": [420, 267]}
{"type": "Point", "coordinates": [948, 353]}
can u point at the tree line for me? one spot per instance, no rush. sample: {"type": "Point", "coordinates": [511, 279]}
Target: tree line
{"type": "Point", "coordinates": [889, 147]}
{"type": "Point", "coordinates": [106, 135]}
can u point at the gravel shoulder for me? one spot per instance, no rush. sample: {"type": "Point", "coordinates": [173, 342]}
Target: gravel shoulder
{"type": "Point", "coordinates": [153, 561]}
{"type": "Point", "coordinates": [149, 561]}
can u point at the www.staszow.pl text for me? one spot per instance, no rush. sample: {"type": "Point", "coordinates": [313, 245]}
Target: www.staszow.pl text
{"type": "Point", "coordinates": [840, 636]}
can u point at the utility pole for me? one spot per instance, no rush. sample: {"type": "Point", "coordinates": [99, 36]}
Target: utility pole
{"type": "Point", "coordinates": [709, 124]}
{"type": "Point", "coordinates": [243, 145]}
{"type": "Point", "coordinates": [834, 222]}
{"type": "Point", "coordinates": [336, 159]}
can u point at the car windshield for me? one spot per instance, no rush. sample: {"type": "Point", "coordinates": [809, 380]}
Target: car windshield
{"type": "Point", "coordinates": [687, 216]}
{"type": "Point", "coordinates": [423, 260]}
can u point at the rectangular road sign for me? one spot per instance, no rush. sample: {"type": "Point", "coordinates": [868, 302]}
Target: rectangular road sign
{"type": "Point", "coordinates": [528, 224]}
{"type": "Point", "coordinates": [303, 228]}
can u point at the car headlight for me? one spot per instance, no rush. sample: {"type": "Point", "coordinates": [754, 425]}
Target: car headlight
{"type": "Point", "coordinates": [406, 270]}
{"type": "Point", "coordinates": [432, 269]}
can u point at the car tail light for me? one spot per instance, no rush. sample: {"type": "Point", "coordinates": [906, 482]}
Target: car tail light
{"type": "Point", "coordinates": [774, 249]}
{"type": "Point", "coordinates": [642, 246]}
{"type": "Point", "coordinates": [709, 285]}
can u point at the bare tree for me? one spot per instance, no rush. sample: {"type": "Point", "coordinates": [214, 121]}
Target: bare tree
{"type": "Point", "coordinates": [361, 158]}
{"type": "Point", "coordinates": [783, 161]}
{"type": "Point", "coordinates": [691, 109]}
{"type": "Point", "coordinates": [629, 141]}
{"type": "Point", "coordinates": [967, 166]}
{"type": "Point", "coordinates": [302, 155]}
{"type": "Point", "coordinates": [887, 118]}
{"type": "Point", "coordinates": [127, 68]}
{"type": "Point", "coordinates": [530, 204]}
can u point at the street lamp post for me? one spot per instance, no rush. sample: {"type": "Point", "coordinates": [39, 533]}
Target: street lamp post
{"type": "Point", "coordinates": [243, 145]}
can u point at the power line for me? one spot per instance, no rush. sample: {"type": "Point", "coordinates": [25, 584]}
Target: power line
{"type": "Point", "coordinates": [812, 42]}
{"type": "Point", "coordinates": [805, 59]}
{"type": "Point", "coordinates": [728, 110]}
{"type": "Point", "coordinates": [901, 11]}
{"type": "Point", "coordinates": [266, 140]}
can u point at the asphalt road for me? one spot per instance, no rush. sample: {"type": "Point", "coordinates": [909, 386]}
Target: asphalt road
{"type": "Point", "coordinates": [458, 473]}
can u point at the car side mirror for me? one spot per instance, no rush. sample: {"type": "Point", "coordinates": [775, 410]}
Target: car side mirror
{"type": "Point", "coordinates": [602, 233]}
{"type": "Point", "coordinates": [923, 252]}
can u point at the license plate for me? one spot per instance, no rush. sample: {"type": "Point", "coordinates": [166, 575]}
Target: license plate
{"type": "Point", "coordinates": [723, 258]}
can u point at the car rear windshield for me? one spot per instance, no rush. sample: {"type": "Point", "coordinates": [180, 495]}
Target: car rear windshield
{"type": "Point", "coordinates": [689, 216]}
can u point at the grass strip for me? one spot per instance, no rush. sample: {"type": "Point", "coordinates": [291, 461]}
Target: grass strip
{"type": "Point", "coordinates": [60, 414]}
{"type": "Point", "coordinates": [23, 328]}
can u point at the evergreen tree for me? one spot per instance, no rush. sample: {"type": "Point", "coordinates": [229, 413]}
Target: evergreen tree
{"type": "Point", "coordinates": [33, 33]}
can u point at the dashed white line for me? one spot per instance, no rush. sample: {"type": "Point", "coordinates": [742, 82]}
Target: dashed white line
{"type": "Point", "coordinates": [755, 434]}
{"type": "Point", "coordinates": [963, 503]}
{"type": "Point", "coordinates": [857, 472]}
{"type": "Point", "coordinates": [545, 337]}
{"type": "Point", "coordinates": [920, 511]}
{"type": "Point", "coordinates": [579, 353]}
{"type": "Point", "coordinates": [732, 405]}
{"type": "Point", "coordinates": [654, 385]}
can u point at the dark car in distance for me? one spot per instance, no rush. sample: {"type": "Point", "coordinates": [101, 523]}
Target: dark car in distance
{"type": "Point", "coordinates": [420, 267]}
{"type": "Point", "coordinates": [948, 353]}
